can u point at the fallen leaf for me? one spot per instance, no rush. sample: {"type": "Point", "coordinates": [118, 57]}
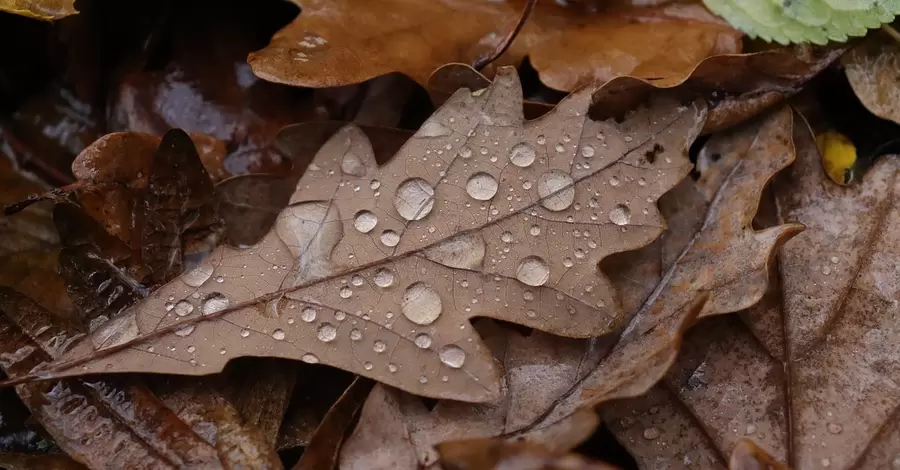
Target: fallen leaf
{"type": "Point", "coordinates": [46, 10]}
{"type": "Point", "coordinates": [357, 265]}
{"type": "Point", "coordinates": [491, 454]}
{"type": "Point", "coordinates": [552, 383]}
{"type": "Point", "coordinates": [17, 461]}
{"type": "Point", "coordinates": [261, 390]}
{"type": "Point", "coordinates": [748, 456]}
{"type": "Point", "coordinates": [339, 43]}
{"type": "Point", "coordinates": [319, 389]}
{"type": "Point", "coordinates": [813, 359]}
{"type": "Point", "coordinates": [32, 229]}
{"type": "Point", "coordinates": [873, 68]}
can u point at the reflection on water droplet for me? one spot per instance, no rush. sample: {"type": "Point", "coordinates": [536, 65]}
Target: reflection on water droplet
{"type": "Point", "coordinates": [651, 433]}
{"type": "Point", "coordinates": [214, 302]}
{"type": "Point", "coordinates": [278, 334]}
{"type": "Point", "coordinates": [620, 214]}
{"type": "Point", "coordinates": [220, 279]}
{"type": "Point", "coordinates": [541, 140]}
{"type": "Point", "coordinates": [339, 315]}
{"type": "Point", "coordinates": [642, 182]}
{"type": "Point", "coordinates": [452, 356]}
{"type": "Point", "coordinates": [309, 358]}
{"type": "Point", "coordinates": [308, 314]}
{"type": "Point", "coordinates": [367, 366]}
{"type": "Point", "coordinates": [191, 349]}
{"type": "Point", "coordinates": [614, 181]}
{"type": "Point", "coordinates": [535, 230]}
{"type": "Point", "coordinates": [826, 270]}
{"type": "Point", "coordinates": [245, 333]}
{"type": "Point", "coordinates": [559, 147]}
{"type": "Point", "coordinates": [197, 276]}
{"type": "Point", "coordinates": [383, 277]}
{"type": "Point", "coordinates": [414, 199]}
{"type": "Point", "coordinates": [587, 151]}
{"type": "Point", "coordinates": [506, 237]}
{"type": "Point", "coordinates": [835, 259]}
{"type": "Point", "coordinates": [522, 155]}
{"type": "Point", "coordinates": [567, 262]}
{"type": "Point", "coordinates": [434, 129]}
{"type": "Point", "coordinates": [560, 186]}
{"type": "Point", "coordinates": [185, 331]}
{"type": "Point", "coordinates": [326, 332]}
{"type": "Point", "coordinates": [390, 238]}
{"type": "Point", "coordinates": [465, 152]}
{"type": "Point", "coordinates": [423, 341]}
{"type": "Point", "coordinates": [421, 304]}
{"type": "Point", "coordinates": [353, 165]}
{"type": "Point", "coordinates": [346, 292]}
{"type": "Point", "coordinates": [533, 271]}
{"type": "Point", "coordinates": [379, 346]}
{"type": "Point", "coordinates": [375, 184]}
{"type": "Point", "coordinates": [355, 334]}
{"type": "Point", "coordinates": [183, 308]}
{"type": "Point", "coordinates": [365, 221]}
{"type": "Point", "coordinates": [357, 280]}
{"type": "Point", "coordinates": [392, 368]}
{"type": "Point", "coordinates": [481, 186]}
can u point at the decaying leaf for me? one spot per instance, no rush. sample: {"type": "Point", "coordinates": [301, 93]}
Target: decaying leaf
{"type": "Point", "coordinates": [378, 270]}
{"type": "Point", "coordinates": [16, 461]}
{"type": "Point", "coordinates": [491, 454]}
{"type": "Point", "coordinates": [334, 43]}
{"type": "Point", "coordinates": [873, 69]}
{"type": "Point", "coordinates": [550, 381]}
{"type": "Point", "coordinates": [46, 10]}
{"type": "Point", "coordinates": [808, 373]}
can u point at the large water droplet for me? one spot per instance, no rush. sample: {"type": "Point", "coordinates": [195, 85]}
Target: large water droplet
{"type": "Point", "coordinates": [434, 129]}
{"type": "Point", "coordinates": [506, 237]}
{"type": "Point", "coordinates": [421, 304]}
{"type": "Point", "coordinates": [326, 332]}
{"type": "Point", "coordinates": [533, 271]}
{"type": "Point", "coordinates": [183, 308]}
{"type": "Point", "coordinates": [522, 155]}
{"type": "Point", "coordinates": [423, 341]}
{"type": "Point", "coordinates": [346, 292]}
{"type": "Point", "coordinates": [482, 186]}
{"type": "Point", "coordinates": [835, 428]}
{"type": "Point", "coordinates": [414, 199]}
{"type": "Point", "coordinates": [214, 302]}
{"type": "Point", "coordinates": [309, 358]}
{"type": "Point", "coordinates": [197, 276]}
{"type": "Point", "coordinates": [465, 251]}
{"type": "Point", "coordinates": [308, 314]}
{"type": "Point", "coordinates": [278, 334]}
{"type": "Point", "coordinates": [390, 238]}
{"type": "Point", "coordinates": [620, 214]}
{"type": "Point", "coordinates": [452, 355]}
{"type": "Point", "coordinates": [353, 165]}
{"type": "Point", "coordinates": [383, 277]}
{"type": "Point", "coordinates": [587, 151]}
{"type": "Point", "coordinates": [560, 186]}
{"type": "Point", "coordinates": [365, 221]}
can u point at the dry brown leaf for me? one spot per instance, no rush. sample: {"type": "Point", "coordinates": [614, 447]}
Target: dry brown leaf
{"type": "Point", "coordinates": [384, 285]}
{"type": "Point", "coordinates": [548, 379]}
{"type": "Point", "coordinates": [334, 43]}
{"type": "Point", "coordinates": [807, 374]}
{"type": "Point", "coordinates": [493, 454]}
{"type": "Point", "coordinates": [47, 10]}
{"type": "Point", "coordinates": [873, 69]}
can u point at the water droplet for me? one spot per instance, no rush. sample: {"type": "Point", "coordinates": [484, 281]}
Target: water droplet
{"type": "Point", "coordinates": [355, 334]}
{"type": "Point", "coordinates": [308, 314]}
{"type": "Point", "coordinates": [245, 333]}
{"type": "Point", "coordinates": [587, 151]}
{"type": "Point", "coordinates": [220, 279]}
{"type": "Point", "coordinates": [628, 138]}
{"type": "Point", "coordinates": [620, 214]}
{"type": "Point", "coordinates": [434, 129]}
{"type": "Point", "coordinates": [826, 270]}
{"type": "Point", "coordinates": [309, 358]}
{"type": "Point", "coordinates": [614, 181]}
{"type": "Point", "coordinates": [835, 259]}
{"type": "Point", "coordinates": [191, 349]}
{"type": "Point", "coordinates": [826, 463]}
{"type": "Point", "coordinates": [541, 140]}
{"type": "Point", "coordinates": [835, 428]}
{"type": "Point", "coordinates": [533, 271]}
{"type": "Point", "coordinates": [383, 277]}
{"type": "Point", "coordinates": [423, 341]}
{"type": "Point", "coordinates": [559, 147]}
{"type": "Point", "coordinates": [526, 185]}
{"type": "Point", "coordinates": [183, 308]}
{"type": "Point", "coordinates": [651, 433]}
{"type": "Point", "coordinates": [567, 262]}
{"type": "Point", "coordinates": [414, 199]}
{"type": "Point", "coordinates": [421, 304]}
{"type": "Point", "coordinates": [642, 182]}
{"type": "Point", "coordinates": [278, 334]}
{"type": "Point", "coordinates": [535, 230]}
{"type": "Point", "coordinates": [379, 346]}
{"type": "Point", "coordinates": [346, 292]}
{"type": "Point", "coordinates": [556, 190]}
{"type": "Point", "coordinates": [326, 332]}
{"type": "Point", "coordinates": [452, 355]}
{"type": "Point", "coordinates": [375, 184]}
{"type": "Point", "coordinates": [214, 302]}
{"type": "Point", "coordinates": [185, 331]}
{"type": "Point", "coordinates": [365, 221]}
{"type": "Point", "coordinates": [506, 237]}
{"type": "Point", "coordinates": [390, 238]}
{"type": "Point", "coordinates": [357, 280]}
{"type": "Point", "coordinates": [222, 351]}
{"type": "Point", "coordinates": [522, 155]}
{"type": "Point", "coordinates": [197, 276]}
{"type": "Point", "coordinates": [392, 368]}
{"type": "Point", "coordinates": [169, 306]}
{"type": "Point", "coordinates": [353, 165]}
{"type": "Point", "coordinates": [482, 186]}
{"type": "Point", "coordinates": [367, 366]}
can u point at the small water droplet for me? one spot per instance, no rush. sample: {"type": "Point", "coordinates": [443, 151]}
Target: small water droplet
{"type": "Point", "coordinates": [559, 147]}
{"type": "Point", "coordinates": [308, 314]}
{"type": "Point", "coordinates": [620, 214]}
{"type": "Point", "coordinates": [835, 259]}
{"type": "Point", "coordinates": [375, 184]}
{"type": "Point", "coordinates": [751, 428]}
{"type": "Point", "coordinates": [309, 358]}
{"type": "Point", "coordinates": [365, 221]}
{"type": "Point", "coordinates": [533, 271]}
{"type": "Point", "coordinates": [434, 129]}
{"type": "Point", "coordinates": [278, 334]}
{"type": "Point", "coordinates": [220, 279]}
{"type": "Point", "coordinates": [482, 186]}
{"type": "Point", "coordinates": [367, 366]}
{"type": "Point", "coordinates": [506, 237]}
{"type": "Point", "coordinates": [355, 334]}
{"type": "Point", "coordinates": [587, 151]}
{"type": "Point", "coordinates": [339, 315]}
{"type": "Point", "coordinates": [222, 351]}
{"type": "Point", "coordinates": [835, 428]}
{"type": "Point", "coordinates": [346, 292]}
{"type": "Point", "coordinates": [556, 189]}
{"type": "Point", "coordinates": [183, 308]}
{"type": "Point", "coordinates": [541, 140]}
{"type": "Point", "coordinates": [357, 280]}
{"type": "Point", "coordinates": [642, 182]}
{"type": "Point", "coordinates": [392, 368]}
{"type": "Point", "coordinates": [423, 341]}
{"type": "Point", "coordinates": [567, 262]}
{"type": "Point", "coordinates": [421, 304]}
{"type": "Point", "coordinates": [522, 155]}
{"type": "Point", "coordinates": [383, 278]}
{"type": "Point", "coordinates": [191, 349]}
{"type": "Point", "coordinates": [414, 199]}
{"type": "Point", "coordinates": [614, 181]}
{"type": "Point", "coordinates": [390, 238]}
{"type": "Point", "coordinates": [214, 302]}
{"type": "Point", "coordinates": [379, 346]}
{"type": "Point", "coordinates": [628, 138]}
{"type": "Point", "coordinates": [535, 230]}
{"type": "Point", "coordinates": [651, 433]}
{"type": "Point", "coordinates": [452, 356]}
{"type": "Point", "coordinates": [826, 270]}
{"type": "Point", "coordinates": [826, 463]}
{"type": "Point", "coordinates": [245, 333]}
{"type": "Point", "coordinates": [197, 276]}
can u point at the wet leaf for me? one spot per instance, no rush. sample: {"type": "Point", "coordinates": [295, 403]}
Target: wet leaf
{"type": "Point", "coordinates": [46, 10]}
{"type": "Point", "coordinates": [17, 461]}
{"type": "Point", "coordinates": [378, 270]}
{"type": "Point", "coordinates": [748, 456]}
{"type": "Point", "coordinates": [491, 454]}
{"type": "Point", "coordinates": [338, 43]}
{"type": "Point", "coordinates": [813, 359]}
{"type": "Point", "coordinates": [32, 229]}
{"type": "Point", "coordinates": [552, 383]}
{"type": "Point", "coordinates": [873, 68]}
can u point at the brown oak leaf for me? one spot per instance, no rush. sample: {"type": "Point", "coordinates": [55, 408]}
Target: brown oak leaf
{"type": "Point", "coordinates": [873, 69]}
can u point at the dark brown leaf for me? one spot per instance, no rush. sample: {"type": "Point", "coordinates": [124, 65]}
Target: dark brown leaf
{"type": "Point", "coordinates": [493, 454]}
{"type": "Point", "coordinates": [16, 461]}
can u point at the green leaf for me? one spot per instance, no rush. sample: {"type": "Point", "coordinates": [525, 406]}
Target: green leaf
{"type": "Point", "coordinates": [804, 21]}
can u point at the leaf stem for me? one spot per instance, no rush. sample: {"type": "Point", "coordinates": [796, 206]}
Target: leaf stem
{"type": "Point", "coordinates": [484, 60]}
{"type": "Point", "coordinates": [891, 32]}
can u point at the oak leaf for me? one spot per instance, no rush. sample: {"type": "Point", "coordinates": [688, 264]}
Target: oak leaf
{"type": "Point", "coordinates": [378, 270]}
{"type": "Point", "coordinates": [334, 43]}
{"type": "Point", "coordinates": [47, 10]}
{"type": "Point", "coordinates": [873, 69]}
{"type": "Point", "coordinates": [549, 381]}
{"type": "Point", "coordinates": [808, 373]}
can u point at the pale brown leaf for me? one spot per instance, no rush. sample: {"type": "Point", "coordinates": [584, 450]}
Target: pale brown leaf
{"type": "Point", "coordinates": [378, 270]}
{"type": "Point", "coordinates": [873, 69]}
